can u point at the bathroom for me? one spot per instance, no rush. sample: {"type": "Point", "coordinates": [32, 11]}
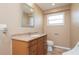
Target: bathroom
{"type": "Point", "coordinates": [62, 36]}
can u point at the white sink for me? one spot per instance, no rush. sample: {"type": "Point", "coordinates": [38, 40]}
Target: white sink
{"type": "Point", "coordinates": [35, 35]}
{"type": "Point", "coordinates": [30, 35]}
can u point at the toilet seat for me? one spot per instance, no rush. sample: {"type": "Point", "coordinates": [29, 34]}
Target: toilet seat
{"type": "Point", "coordinates": [49, 42]}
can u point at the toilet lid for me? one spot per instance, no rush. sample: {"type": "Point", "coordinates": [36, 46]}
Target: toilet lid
{"type": "Point", "coordinates": [49, 42]}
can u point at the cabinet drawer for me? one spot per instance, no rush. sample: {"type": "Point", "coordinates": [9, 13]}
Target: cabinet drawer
{"type": "Point", "coordinates": [45, 38]}
{"type": "Point", "coordinates": [40, 39]}
{"type": "Point", "coordinates": [34, 42]}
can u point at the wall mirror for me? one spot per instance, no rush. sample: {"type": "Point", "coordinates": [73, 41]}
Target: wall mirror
{"type": "Point", "coordinates": [28, 16]}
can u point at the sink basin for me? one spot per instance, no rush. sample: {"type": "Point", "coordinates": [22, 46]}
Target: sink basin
{"type": "Point", "coordinates": [35, 35]}
{"type": "Point", "coordinates": [30, 35]}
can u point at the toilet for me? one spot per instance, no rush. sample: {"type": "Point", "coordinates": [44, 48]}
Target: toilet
{"type": "Point", "coordinates": [50, 44]}
{"type": "Point", "coordinates": [74, 51]}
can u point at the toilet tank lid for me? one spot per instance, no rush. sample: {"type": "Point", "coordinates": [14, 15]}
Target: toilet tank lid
{"type": "Point", "coordinates": [49, 42]}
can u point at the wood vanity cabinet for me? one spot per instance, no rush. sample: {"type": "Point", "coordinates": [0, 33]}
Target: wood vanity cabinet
{"type": "Point", "coordinates": [34, 47]}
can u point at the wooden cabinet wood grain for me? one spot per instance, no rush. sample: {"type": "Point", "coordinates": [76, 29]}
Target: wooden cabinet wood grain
{"type": "Point", "coordinates": [45, 45]}
{"type": "Point", "coordinates": [35, 47]}
{"type": "Point", "coordinates": [19, 47]}
{"type": "Point", "coordinates": [40, 46]}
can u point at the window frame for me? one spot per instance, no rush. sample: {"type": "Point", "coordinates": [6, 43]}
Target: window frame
{"type": "Point", "coordinates": [53, 14]}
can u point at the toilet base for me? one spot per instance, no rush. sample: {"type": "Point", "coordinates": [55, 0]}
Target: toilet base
{"type": "Point", "coordinates": [50, 48]}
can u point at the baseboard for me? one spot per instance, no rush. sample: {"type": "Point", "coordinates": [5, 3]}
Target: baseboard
{"type": "Point", "coordinates": [62, 47]}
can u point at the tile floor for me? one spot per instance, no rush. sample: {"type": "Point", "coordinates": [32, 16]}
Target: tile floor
{"type": "Point", "coordinates": [56, 51]}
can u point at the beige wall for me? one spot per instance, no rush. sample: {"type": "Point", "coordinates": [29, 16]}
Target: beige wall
{"type": "Point", "coordinates": [38, 18]}
{"type": "Point", "coordinates": [74, 24]}
{"type": "Point", "coordinates": [11, 14]}
{"type": "Point", "coordinates": [25, 20]}
{"type": "Point", "coordinates": [63, 37]}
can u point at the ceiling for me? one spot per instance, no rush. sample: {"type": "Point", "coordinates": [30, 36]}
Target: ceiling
{"type": "Point", "coordinates": [46, 6]}
{"type": "Point", "coordinates": [26, 9]}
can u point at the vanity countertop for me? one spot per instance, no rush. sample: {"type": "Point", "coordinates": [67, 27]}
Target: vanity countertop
{"type": "Point", "coordinates": [27, 37]}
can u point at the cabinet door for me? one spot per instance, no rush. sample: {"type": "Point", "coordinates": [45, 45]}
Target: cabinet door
{"type": "Point", "coordinates": [45, 44]}
{"type": "Point", "coordinates": [40, 46]}
{"type": "Point", "coordinates": [45, 49]}
{"type": "Point", "coordinates": [33, 50]}
{"type": "Point", "coordinates": [19, 48]}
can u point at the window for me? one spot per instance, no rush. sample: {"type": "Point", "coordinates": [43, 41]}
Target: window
{"type": "Point", "coordinates": [55, 19]}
